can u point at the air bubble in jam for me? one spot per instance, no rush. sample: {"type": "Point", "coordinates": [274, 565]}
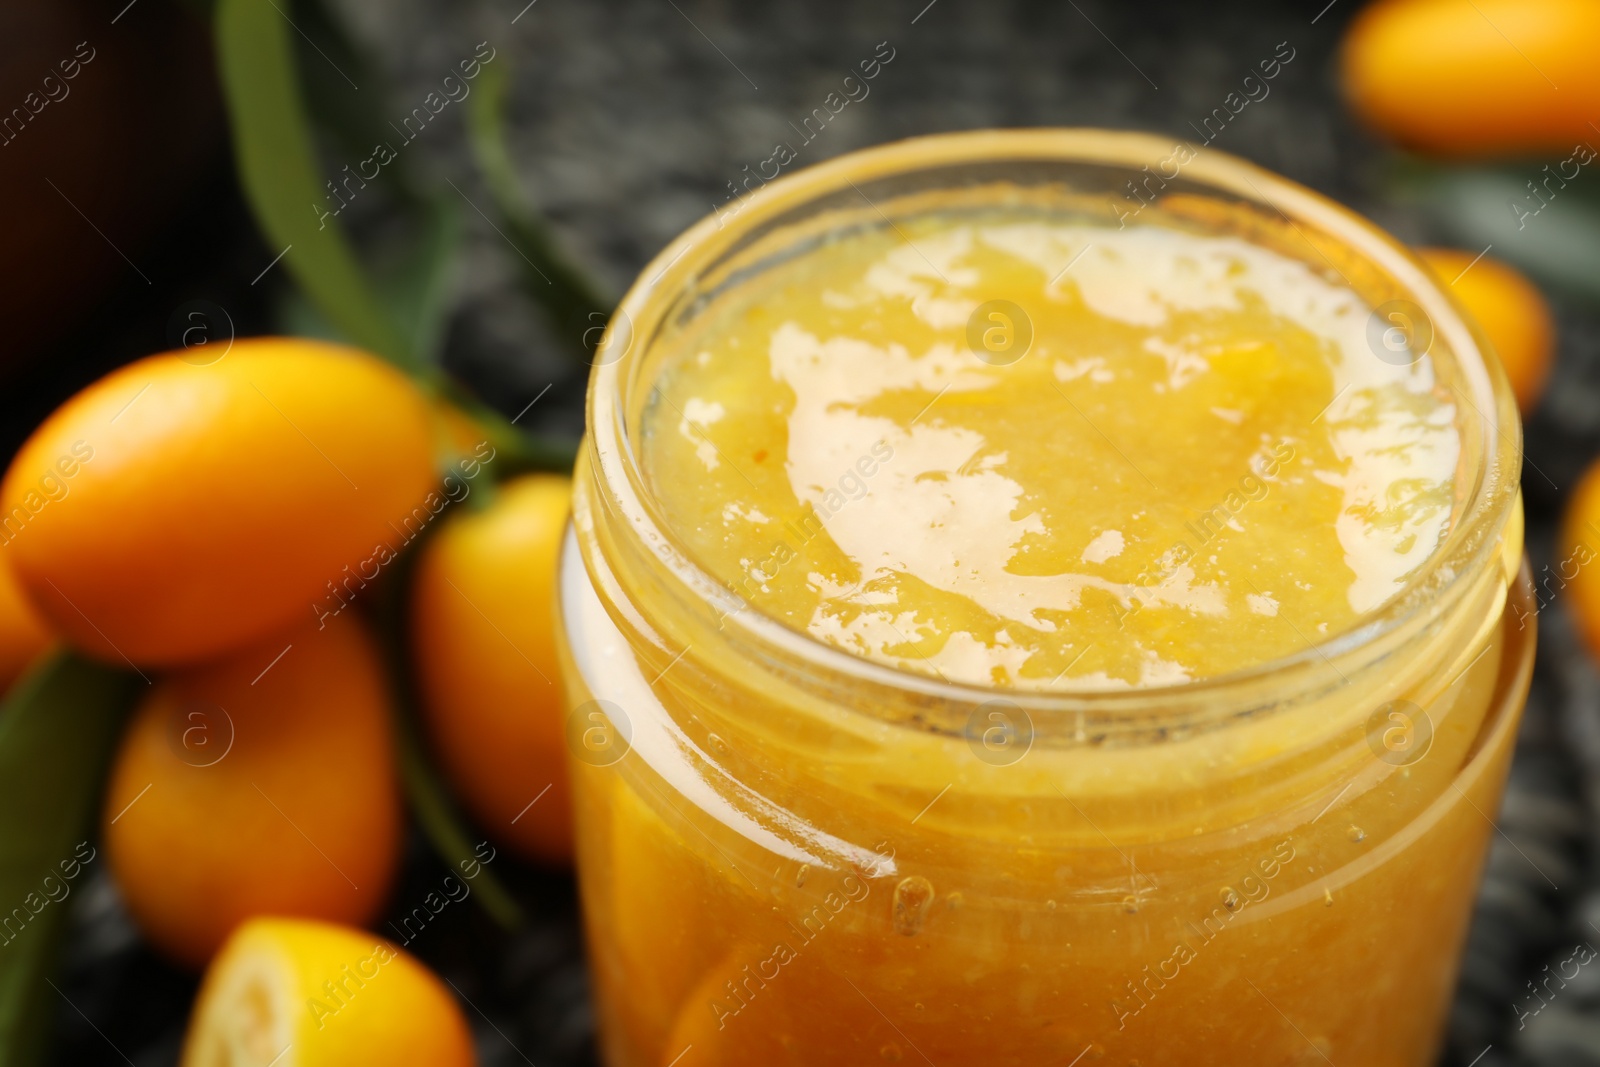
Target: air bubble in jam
{"type": "Point", "coordinates": [1357, 834]}
{"type": "Point", "coordinates": [912, 898]}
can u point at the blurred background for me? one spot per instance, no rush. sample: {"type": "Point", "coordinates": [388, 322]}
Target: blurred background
{"type": "Point", "coordinates": [129, 230]}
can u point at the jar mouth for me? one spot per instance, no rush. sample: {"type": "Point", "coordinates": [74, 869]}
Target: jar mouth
{"type": "Point", "coordinates": [1486, 482]}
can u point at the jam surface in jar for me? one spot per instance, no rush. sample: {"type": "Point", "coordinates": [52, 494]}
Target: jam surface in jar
{"type": "Point", "coordinates": [1027, 453]}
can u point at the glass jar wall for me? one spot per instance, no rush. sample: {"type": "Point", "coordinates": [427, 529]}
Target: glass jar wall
{"type": "Point", "coordinates": [792, 854]}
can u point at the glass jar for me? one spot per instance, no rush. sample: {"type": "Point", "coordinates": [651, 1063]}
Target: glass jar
{"type": "Point", "coordinates": [788, 854]}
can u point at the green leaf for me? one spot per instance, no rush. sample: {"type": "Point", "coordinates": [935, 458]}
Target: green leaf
{"type": "Point", "coordinates": [444, 829]}
{"type": "Point", "coordinates": [58, 730]}
{"type": "Point", "coordinates": [578, 310]}
{"type": "Point", "coordinates": [1558, 242]}
{"type": "Point", "coordinates": [417, 291]}
{"type": "Point", "coordinates": [425, 791]}
{"type": "Point", "coordinates": [329, 58]}
{"type": "Point", "coordinates": [400, 312]}
{"type": "Point", "coordinates": [328, 61]}
{"type": "Point", "coordinates": [278, 167]}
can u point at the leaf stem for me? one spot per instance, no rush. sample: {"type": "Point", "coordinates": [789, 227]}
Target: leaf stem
{"type": "Point", "coordinates": [426, 793]}
{"type": "Point", "coordinates": [577, 308]}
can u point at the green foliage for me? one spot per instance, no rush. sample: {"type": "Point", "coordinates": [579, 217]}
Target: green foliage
{"type": "Point", "coordinates": [58, 730]}
{"type": "Point", "coordinates": [425, 791]}
{"type": "Point", "coordinates": [1553, 235]}
{"type": "Point", "coordinates": [277, 164]}
{"type": "Point", "coordinates": [399, 311]}
{"type": "Point", "coordinates": [577, 309]}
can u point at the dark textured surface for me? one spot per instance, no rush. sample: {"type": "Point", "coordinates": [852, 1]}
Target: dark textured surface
{"type": "Point", "coordinates": [629, 121]}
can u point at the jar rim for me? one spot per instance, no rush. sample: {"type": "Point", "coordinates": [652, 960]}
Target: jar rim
{"type": "Point", "coordinates": [1471, 539]}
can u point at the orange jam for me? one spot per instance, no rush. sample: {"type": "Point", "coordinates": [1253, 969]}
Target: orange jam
{"type": "Point", "coordinates": [1006, 629]}
{"type": "Point", "coordinates": [1196, 464]}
